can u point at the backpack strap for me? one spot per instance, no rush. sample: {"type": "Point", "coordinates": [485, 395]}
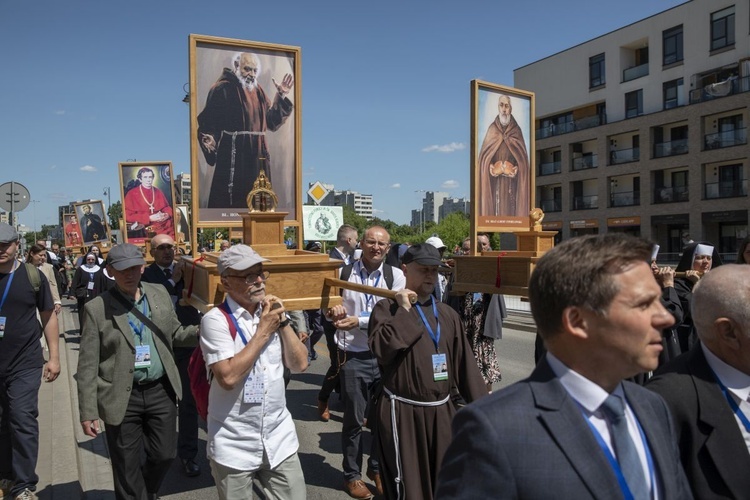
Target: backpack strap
{"type": "Point", "coordinates": [388, 275]}
{"type": "Point", "coordinates": [346, 271]}
{"type": "Point", "coordinates": [224, 308]}
{"type": "Point", "coordinates": [33, 272]}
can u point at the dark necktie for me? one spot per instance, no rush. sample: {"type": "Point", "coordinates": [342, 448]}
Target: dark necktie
{"type": "Point", "coordinates": [168, 273]}
{"type": "Point", "coordinates": [627, 455]}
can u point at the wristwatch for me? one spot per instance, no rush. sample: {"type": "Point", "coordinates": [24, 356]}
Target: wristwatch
{"type": "Point", "coordinates": [286, 321]}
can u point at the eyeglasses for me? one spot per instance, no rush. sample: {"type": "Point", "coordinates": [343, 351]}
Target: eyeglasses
{"type": "Point", "coordinates": [165, 246]}
{"type": "Point", "coordinates": [251, 279]}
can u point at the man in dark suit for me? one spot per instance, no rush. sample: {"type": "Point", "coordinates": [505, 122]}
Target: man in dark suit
{"type": "Point", "coordinates": [165, 271]}
{"type": "Point", "coordinates": [707, 388]}
{"type": "Point", "coordinates": [574, 429]}
{"type": "Point", "coordinates": [133, 396]}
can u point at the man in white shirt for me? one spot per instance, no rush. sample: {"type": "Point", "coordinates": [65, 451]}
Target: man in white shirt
{"type": "Point", "coordinates": [250, 431]}
{"type": "Point", "coordinates": [574, 429]}
{"type": "Point", "coordinates": [707, 389]}
{"type": "Point", "coordinates": [358, 367]}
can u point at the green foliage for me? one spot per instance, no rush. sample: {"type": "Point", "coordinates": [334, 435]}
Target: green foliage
{"type": "Point", "coordinates": [115, 214]}
{"type": "Point", "coordinates": [353, 219]}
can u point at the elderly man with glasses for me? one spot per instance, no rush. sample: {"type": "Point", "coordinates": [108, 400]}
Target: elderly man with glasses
{"type": "Point", "coordinates": [246, 342]}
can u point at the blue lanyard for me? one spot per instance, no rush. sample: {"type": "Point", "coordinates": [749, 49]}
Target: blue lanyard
{"type": "Point", "coordinates": [7, 285]}
{"type": "Point", "coordinates": [368, 298]}
{"type": "Point", "coordinates": [435, 338]}
{"type": "Point", "coordinates": [732, 403]}
{"type": "Point", "coordinates": [228, 309]}
{"type": "Point", "coordinates": [136, 330]}
{"type": "Point", "coordinates": [616, 466]}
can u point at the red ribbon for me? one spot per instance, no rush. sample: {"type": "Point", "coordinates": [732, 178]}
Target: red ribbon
{"type": "Point", "coordinates": [497, 274]}
{"type": "Point", "coordinates": [192, 275]}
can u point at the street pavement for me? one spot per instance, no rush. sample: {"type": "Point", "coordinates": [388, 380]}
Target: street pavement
{"type": "Point", "coordinates": [72, 465]}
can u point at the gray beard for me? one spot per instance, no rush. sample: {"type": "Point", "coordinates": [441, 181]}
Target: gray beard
{"type": "Point", "coordinates": [246, 84]}
{"type": "Point", "coordinates": [504, 119]}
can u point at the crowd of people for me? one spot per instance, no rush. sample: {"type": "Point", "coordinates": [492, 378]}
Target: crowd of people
{"type": "Point", "coordinates": [641, 389]}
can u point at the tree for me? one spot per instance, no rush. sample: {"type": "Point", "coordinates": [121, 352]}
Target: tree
{"type": "Point", "coordinates": [115, 214]}
{"type": "Point", "coordinates": [354, 219]}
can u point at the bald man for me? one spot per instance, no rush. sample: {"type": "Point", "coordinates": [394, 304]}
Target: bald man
{"type": "Point", "coordinates": [165, 271]}
{"type": "Point", "coordinates": [707, 388]}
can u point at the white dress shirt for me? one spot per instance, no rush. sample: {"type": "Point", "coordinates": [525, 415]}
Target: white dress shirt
{"type": "Point", "coordinates": [590, 397]}
{"type": "Point", "coordinates": [360, 304]}
{"type": "Point", "coordinates": [238, 432]}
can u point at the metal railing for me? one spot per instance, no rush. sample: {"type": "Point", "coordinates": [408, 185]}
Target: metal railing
{"type": "Point", "coordinates": [671, 194]}
{"type": "Point", "coordinates": [552, 205]}
{"type": "Point", "coordinates": [716, 190]}
{"type": "Point", "coordinates": [585, 202]}
{"type": "Point", "coordinates": [625, 199]}
{"type": "Point", "coordinates": [584, 162]}
{"type": "Point", "coordinates": [624, 156]}
{"type": "Point", "coordinates": [726, 139]}
{"type": "Point", "coordinates": [550, 168]}
{"type": "Point", "coordinates": [571, 126]}
{"type": "Point", "coordinates": [671, 148]}
{"type": "Point", "coordinates": [726, 88]}
{"type": "Point", "coordinates": [635, 72]}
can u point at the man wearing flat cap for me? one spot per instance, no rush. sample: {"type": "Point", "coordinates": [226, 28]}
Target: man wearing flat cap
{"type": "Point", "coordinates": [246, 342]}
{"type": "Point", "coordinates": [22, 365]}
{"type": "Point", "coordinates": [127, 375]}
{"type": "Point", "coordinates": [422, 353]}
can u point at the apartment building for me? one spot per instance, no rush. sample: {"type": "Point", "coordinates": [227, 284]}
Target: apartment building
{"type": "Point", "coordinates": [360, 203]}
{"type": "Point", "coordinates": [183, 189]}
{"type": "Point", "coordinates": [644, 130]}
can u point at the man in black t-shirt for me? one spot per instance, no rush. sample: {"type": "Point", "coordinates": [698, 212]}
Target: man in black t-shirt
{"type": "Point", "coordinates": [22, 366]}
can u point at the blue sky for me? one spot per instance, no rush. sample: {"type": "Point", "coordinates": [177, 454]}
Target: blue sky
{"type": "Point", "coordinates": [385, 85]}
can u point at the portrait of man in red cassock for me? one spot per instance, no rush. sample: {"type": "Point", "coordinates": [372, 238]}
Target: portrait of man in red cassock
{"type": "Point", "coordinates": [147, 208]}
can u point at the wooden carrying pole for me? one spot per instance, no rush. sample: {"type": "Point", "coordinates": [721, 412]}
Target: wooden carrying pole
{"type": "Point", "coordinates": [356, 287]}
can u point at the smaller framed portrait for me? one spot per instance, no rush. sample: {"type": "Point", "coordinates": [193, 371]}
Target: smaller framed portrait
{"type": "Point", "coordinates": [182, 224]}
{"type": "Point", "coordinates": [502, 160]}
{"type": "Point", "coordinates": [72, 231]}
{"type": "Point", "coordinates": [92, 222]}
{"type": "Point", "coordinates": [147, 200]}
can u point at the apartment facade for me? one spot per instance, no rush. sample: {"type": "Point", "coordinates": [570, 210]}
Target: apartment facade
{"type": "Point", "coordinates": [360, 203]}
{"type": "Point", "coordinates": [644, 130]}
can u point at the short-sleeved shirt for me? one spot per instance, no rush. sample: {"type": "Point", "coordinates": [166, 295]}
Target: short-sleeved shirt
{"type": "Point", "coordinates": [239, 432]}
{"type": "Point", "coordinates": [20, 348]}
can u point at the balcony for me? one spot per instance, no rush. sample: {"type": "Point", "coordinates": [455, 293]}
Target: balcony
{"type": "Point", "coordinates": [625, 199]}
{"type": "Point", "coordinates": [726, 139]}
{"type": "Point", "coordinates": [731, 86]}
{"type": "Point", "coordinates": [635, 72]}
{"type": "Point", "coordinates": [624, 156]}
{"type": "Point", "coordinates": [550, 168]}
{"type": "Point", "coordinates": [571, 126]}
{"type": "Point", "coordinates": [585, 202]}
{"type": "Point", "coordinates": [584, 162]}
{"type": "Point", "coordinates": [715, 190]}
{"type": "Point", "coordinates": [554, 205]}
{"type": "Point", "coordinates": [671, 194]}
{"type": "Point", "coordinates": [678, 147]}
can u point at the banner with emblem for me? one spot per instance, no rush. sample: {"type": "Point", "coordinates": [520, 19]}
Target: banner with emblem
{"type": "Point", "coordinates": [321, 222]}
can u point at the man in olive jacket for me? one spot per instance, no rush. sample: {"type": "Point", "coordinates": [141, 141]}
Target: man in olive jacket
{"type": "Point", "coordinates": [127, 375]}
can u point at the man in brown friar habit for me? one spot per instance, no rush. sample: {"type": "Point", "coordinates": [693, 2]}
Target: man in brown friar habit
{"type": "Point", "coordinates": [422, 352]}
{"type": "Point", "coordinates": [504, 166]}
{"type": "Point", "coordinates": [146, 205]}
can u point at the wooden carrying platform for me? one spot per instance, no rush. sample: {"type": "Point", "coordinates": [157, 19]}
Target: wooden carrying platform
{"type": "Point", "coordinates": [297, 277]}
{"type": "Point", "coordinates": [479, 273]}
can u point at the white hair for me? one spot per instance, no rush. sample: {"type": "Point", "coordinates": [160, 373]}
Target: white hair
{"type": "Point", "coordinates": [723, 292]}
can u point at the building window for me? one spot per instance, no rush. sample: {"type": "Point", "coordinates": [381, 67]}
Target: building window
{"type": "Point", "coordinates": [672, 45]}
{"type": "Point", "coordinates": [596, 71]}
{"type": "Point", "coordinates": [673, 94]}
{"type": "Point", "coordinates": [722, 28]}
{"type": "Point", "coordinates": [634, 103]}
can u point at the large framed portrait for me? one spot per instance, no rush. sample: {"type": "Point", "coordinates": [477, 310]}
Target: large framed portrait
{"type": "Point", "coordinates": [92, 222]}
{"type": "Point", "coordinates": [72, 231]}
{"type": "Point", "coordinates": [147, 194]}
{"type": "Point", "coordinates": [502, 160]}
{"type": "Point", "coordinates": [244, 120]}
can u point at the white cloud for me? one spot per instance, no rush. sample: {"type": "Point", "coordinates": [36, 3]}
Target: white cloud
{"type": "Point", "coordinates": [53, 167]}
{"type": "Point", "coordinates": [396, 186]}
{"type": "Point", "coordinates": [449, 184]}
{"type": "Point", "coordinates": [445, 148]}
{"type": "Point", "coordinates": [88, 168]}
{"type": "Point", "coordinates": [60, 112]}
